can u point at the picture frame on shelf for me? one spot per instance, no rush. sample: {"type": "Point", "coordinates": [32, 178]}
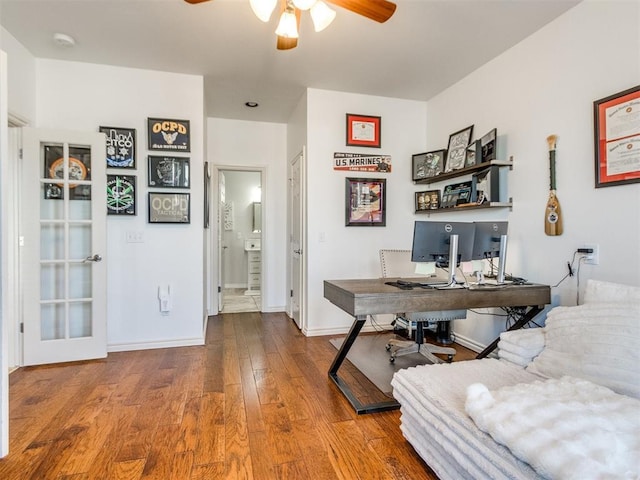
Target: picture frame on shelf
{"type": "Point", "coordinates": [488, 146]}
{"type": "Point", "coordinates": [457, 149]}
{"type": "Point", "coordinates": [121, 195]}
{"type": "Point", "coordinates": [365, 202]}
{"type": "Point", "coordinates": [363, 130]}
{"type": "Point", "coordinates": [121, 147]}
{"type": "Point", "coordinates": [428, 164]}
{"type": "Point", "coordinates": [486, 185]}
{"type": "Point", "coordinates": [472, 157]}
{"type": "Point", "coordinates": [427, 200]}
{"type": "Point", "coordinates": [456, 194]}
{"type": "Point", "coordinates": [617, 138]}
{"type": "Point", "coordinates": [168, 172]}
{"type": "Point", "coordinates": [167, 207]}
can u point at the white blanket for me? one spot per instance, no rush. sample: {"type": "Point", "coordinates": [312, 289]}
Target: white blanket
{"type": "Point", "coordinates": [564, 428]}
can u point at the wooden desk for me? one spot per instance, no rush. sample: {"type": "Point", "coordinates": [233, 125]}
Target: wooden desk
{"type": "Point", "coordinates": [360, 298]}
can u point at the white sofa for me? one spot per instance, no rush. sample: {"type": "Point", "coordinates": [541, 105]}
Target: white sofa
{"type": "Point", "coordinates": [529, 414]}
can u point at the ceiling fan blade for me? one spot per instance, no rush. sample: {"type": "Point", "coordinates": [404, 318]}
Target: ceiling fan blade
{"type": "Point", "coordinates": [196, 1]}
{"type": "Point", "coordinates": [284, 43]}
{"type": "Point", "coordinates": [378, 10]}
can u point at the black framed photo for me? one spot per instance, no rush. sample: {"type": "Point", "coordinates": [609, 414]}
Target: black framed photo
{"type": "Point", "coordinates": [471, 156]}
{"type": "Point", "coordinates": [169, 135]}
{"type": "Point", "coordinates": [427, 200]}
{"type": "Point", "coordinates": [169, 207]}
{"type": "Point", "coordinates": [456, 194]}
{"type": "Point", "coordinates": [457, 149]}
{"type": "Point", "coordinates": [486, 185]}
{"type": "Point", "coordinates": [168, 172]}
{"type": "Point", "coordinates": [121, 147]}
{"type": "Point", "coordinates": [488, 146]}
{"type": "Point", "coordinates": [365, 202]}
{"type": "Point", "coordinates": [121, 195]}
{"type": "Point", "coordinates": [429, 164]}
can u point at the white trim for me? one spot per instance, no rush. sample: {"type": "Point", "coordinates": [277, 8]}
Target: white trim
{"type": "Point", "coordinates": [4, 279]}
{"type": "Point", "coordinates": [469, 343]}
{"type": "Point", "coordinates": [128, 347]}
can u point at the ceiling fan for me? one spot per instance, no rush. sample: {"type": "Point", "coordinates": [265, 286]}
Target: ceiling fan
{"type": "Point", "coordinates": [321, 14]}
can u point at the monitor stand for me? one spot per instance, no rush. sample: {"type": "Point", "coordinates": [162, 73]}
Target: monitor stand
{"type": "Point", "coordinates": [502, 260]}
{"type": "Point", "coordinates": [453, 263]}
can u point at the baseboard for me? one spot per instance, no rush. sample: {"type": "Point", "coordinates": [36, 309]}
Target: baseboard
{"type": "Point", "coordinates": [367, 328]}
{"type": "Point", "coordinates": [127, 347]}
{"type": "Point", "coordinates": [468, 343]}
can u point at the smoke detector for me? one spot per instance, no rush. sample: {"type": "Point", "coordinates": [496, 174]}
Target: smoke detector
{"type": "Point", "coordinates": [63, 40]}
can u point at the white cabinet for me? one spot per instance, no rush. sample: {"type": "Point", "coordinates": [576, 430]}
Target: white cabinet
{"type": "Point", "coordinates": [254, 264]}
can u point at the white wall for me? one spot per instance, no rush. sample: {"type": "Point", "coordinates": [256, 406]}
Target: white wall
{"type": "Point", "coordinates": [333, 250]}
{"type": "Point", "coordinates": [236, 143]}
{"type": "Point", "coordinates": [79, 96]}
{"type": "Point", "coordinates": [546, 85]}
{"type": "Point", "coordinates": [21, 77]}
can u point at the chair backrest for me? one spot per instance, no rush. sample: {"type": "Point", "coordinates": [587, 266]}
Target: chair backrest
{"type": "Point", "coordinates": [397, 263]}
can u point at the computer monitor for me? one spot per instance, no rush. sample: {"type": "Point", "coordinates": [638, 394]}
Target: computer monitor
{"type": "Point", "coordinates": [486, 242]}
{"type": "Point", "coordinates": [432, 242]}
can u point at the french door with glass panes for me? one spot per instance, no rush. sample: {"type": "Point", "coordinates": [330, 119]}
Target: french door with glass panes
{"type": "Point", "coordinates": [63, 220]}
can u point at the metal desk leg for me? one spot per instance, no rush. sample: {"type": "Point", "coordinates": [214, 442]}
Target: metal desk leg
{"type": "Point", "coordinates": [526, 318]}
{"type": "Point", "coordinates": [344, 388]}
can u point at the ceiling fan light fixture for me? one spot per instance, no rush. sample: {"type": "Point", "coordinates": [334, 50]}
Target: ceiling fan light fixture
{"type": "Point", "coordinates": [321, 15]}
{"type": "Point", "coordinates": [263, 8]}
{"type": "Point", "coordinates": [288, 25]}
{"type": "Point", "coordinates": [304, 4]}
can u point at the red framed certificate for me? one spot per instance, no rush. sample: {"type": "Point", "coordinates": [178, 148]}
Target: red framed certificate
{"type": "Point", "coordinates": [363, 130]}
{"type": "Point", "coordinates": [617, 138]}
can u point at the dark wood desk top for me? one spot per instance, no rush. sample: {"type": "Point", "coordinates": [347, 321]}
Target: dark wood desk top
{"type": "Point", "coordinates": [373, 296]}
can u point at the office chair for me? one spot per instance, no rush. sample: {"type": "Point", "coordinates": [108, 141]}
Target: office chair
{"type": "Point", "coordinates": [397, 264]}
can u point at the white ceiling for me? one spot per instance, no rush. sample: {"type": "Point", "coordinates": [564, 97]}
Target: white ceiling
{"type": "Point", "coordinates": [425, 47]}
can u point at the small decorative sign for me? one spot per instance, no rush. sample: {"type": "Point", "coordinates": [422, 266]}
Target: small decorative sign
{"type": "Point", "coordinates": [121, 195]}
{"type": "Point", "coordinates": [456, 194]}
{"type": "Point", "coordinates": [169, 135]}
{"type": "Point", "coordinates": [169, 207]}
{"type": "Point", "coordinates": [121, 147]}
{"type": "Point", "coordinates": [361, 163]}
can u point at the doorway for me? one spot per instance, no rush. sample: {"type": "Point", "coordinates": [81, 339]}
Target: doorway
{"type": "Point", "coordinates": [240, 241]}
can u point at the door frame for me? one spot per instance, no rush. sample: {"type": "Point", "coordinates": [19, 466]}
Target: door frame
{"type": "Point", "coordinates": [215, 284]}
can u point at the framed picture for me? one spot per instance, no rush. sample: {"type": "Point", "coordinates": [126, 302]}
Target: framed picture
{"type": "Point", "coordinates": [79, 168]}
{"type": "Point", "coordinates": [169, 207]}
{"type": "Point", "coordinates": [121, 195]}
{"type": "Point", "coordinates": [121, 147]}
{"type": "Point", "coordinates": [363, 130]}
{"type": "Point", "coordinates": [429, 200]}
{"type": "Point", "coordinates": [365, 202]}
{"type": "Point", "coordinates": [457, 150]}
{"type": "Point", "coordinates": [617, 138]}
{"type": "Point", "coordinates": [456, 194]}
{"type": "Point", "coordinates": [471, 155]}
{"type": "Point", "coordinates": [488, 146]}
{"type": "Point", "coordinates": [486, 185]}
{"type": "Point", "coordinates": [429, 164]}
{"type": "Point", "coordinates": [169, 135]}
{"type": "Point", "coordinates": [168, 172]}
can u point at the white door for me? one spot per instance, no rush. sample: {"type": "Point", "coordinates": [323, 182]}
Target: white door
{"type": "Point", "coordinates": [221, 246]}
{"type": "Point", "coordinates": [63, 243]}
{"type": "Point", "coordinates": [296, 243]}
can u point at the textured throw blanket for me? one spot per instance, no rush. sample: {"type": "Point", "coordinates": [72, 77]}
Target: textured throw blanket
{"type": "Point", "coordinates": [564, 428]}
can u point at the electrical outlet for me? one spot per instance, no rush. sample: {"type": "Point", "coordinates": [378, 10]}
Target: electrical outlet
{"type": "Point", "coordinates": [594, 257]}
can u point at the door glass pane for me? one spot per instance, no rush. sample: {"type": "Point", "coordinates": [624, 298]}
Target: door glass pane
{"type": "Point", "coordinates": [80, 202]}
{"type": "Point", "coordinates": [51, 204]}
{"type": "Point", "coordinates": [79, 163]}
{"type": "Point", "coordinates": [51, 242]}
{"type": "Point", "coordinates": [79, 241]}
{"type": "Point", "coordinates": [79, 319]}
{"type": "Point", "coordinates": [52, 322]}
{"type": "Point", "coordinates": [80, 280]}
{"type": "Point", "coordinates": [52, 282]}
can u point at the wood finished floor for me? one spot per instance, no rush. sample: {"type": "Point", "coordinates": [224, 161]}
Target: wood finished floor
{"type": "Point", "coordinates": [255, 402]}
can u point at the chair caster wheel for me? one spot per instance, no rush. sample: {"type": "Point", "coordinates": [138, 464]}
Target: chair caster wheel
{"type": "Point", "coordinates": [392, 359]}
{"type": "Point", "coordinates": [449, 358]}
{"type": "Point", "coordinates": [388, 347]}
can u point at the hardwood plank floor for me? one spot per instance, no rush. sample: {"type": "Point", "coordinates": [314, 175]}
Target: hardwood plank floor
{"type": "Point", "coordinates": [255, 402]}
